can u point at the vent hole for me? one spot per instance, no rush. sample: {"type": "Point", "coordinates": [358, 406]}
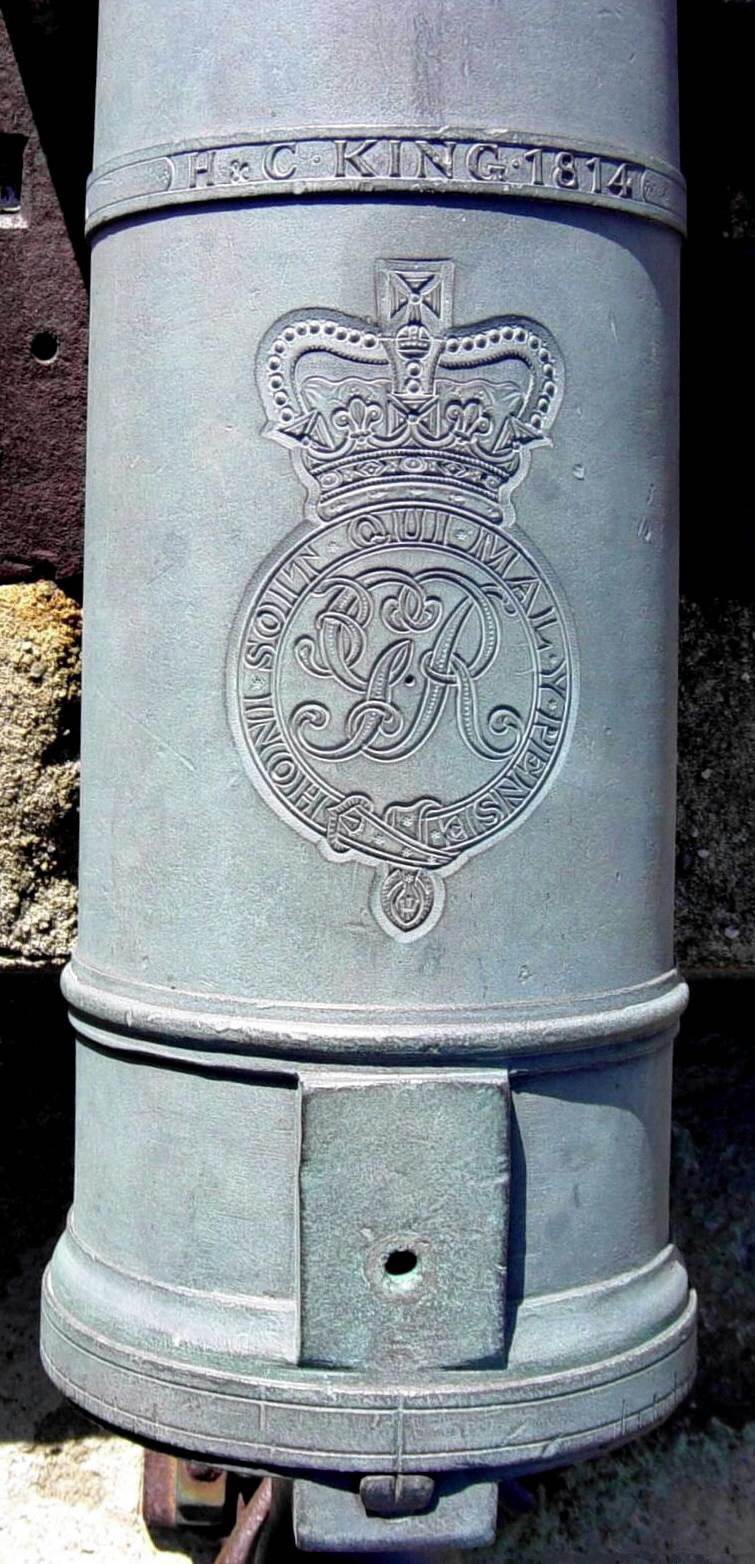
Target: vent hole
{"type": "Point", "coordinates": [400, 1262]}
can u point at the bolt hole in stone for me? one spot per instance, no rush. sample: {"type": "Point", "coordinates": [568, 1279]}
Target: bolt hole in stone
{"type": "Point", "coordinates": [44, 347]}
{"type": "Point", "coordinates": [400, 1262]}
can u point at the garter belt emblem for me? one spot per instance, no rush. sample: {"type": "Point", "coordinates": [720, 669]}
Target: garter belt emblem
{"type": "Point", "coordinates": [401, 676]}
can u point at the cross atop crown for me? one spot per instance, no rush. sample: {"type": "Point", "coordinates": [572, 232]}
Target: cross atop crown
{"type": "Point", "coordinates": [410, 406]}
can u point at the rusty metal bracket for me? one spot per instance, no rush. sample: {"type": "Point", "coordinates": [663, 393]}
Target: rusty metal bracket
{"type": "Point", "coordinates": [240, 1547]}
{"type": "Point", "coordinates": [196, 1494]}
{"type": "Point", "coordinates": [182, 1493]}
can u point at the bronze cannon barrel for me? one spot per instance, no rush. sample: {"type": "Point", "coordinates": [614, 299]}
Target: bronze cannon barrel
{"type": "Point", "coordinates": [374, 990]}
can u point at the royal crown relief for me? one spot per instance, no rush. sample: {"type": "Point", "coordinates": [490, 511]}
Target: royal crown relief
{"type": "Point", "coordinates": [402, 675]}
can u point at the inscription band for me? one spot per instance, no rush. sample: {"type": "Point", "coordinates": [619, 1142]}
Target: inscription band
{"type": "Point", "coordinates": [505, 164]}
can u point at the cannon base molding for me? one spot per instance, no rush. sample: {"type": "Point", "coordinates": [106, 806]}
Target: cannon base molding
{"type": "Point", "coordinates": [497, 1422]}
{"type": "Point", "coordinates": [356, 1356]}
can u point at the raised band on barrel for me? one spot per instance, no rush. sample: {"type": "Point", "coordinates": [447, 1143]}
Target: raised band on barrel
{"type": "Point", "coordinates": [513, 164]}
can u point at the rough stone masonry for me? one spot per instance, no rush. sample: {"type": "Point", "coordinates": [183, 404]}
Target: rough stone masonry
{"type": "Point", "coordinates": [39, 687]}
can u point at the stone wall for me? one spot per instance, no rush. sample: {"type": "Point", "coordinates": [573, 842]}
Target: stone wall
{"type": "Point", "coordinates": [39, 690]}
{"type": "Point", "coordinates": [715, 884]}
{"type": "Point", "coordinates": [43, 320]}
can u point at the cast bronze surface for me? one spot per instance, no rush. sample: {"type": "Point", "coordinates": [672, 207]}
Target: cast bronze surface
{"type": "Point", "coordinates": [375, 988]}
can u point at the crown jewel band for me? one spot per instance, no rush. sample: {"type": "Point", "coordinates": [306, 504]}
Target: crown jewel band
{"type": "Point", "coordinates": [505, 164]}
